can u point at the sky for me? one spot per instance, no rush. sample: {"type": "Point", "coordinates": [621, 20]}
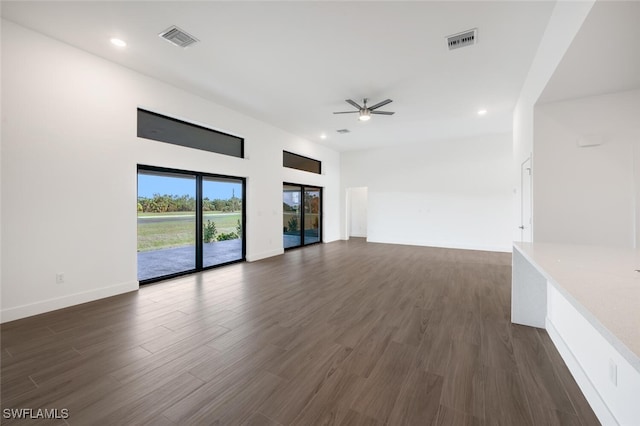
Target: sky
{"type": "Point", "coordinates": [154, 184]}
{"type": "Point", "coordinates": [291, 198]}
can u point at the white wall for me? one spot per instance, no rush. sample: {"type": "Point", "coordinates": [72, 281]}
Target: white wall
{"type": "Point", "coordinates": [69, 156]}
{"type": "Point", "coordinates": [1, 160]}
{"type": "Point", "coordinates": [565, 21]}
{"type": "Point", "coordinates": [586, 194]}
{"type": "Point", "coordinates": [636, 182]}
{"type": "Point", "coordinates": [450, 193]}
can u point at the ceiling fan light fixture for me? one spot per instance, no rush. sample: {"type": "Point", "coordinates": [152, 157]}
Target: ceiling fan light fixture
{"type": "Point", "coordinates": [364, 112]}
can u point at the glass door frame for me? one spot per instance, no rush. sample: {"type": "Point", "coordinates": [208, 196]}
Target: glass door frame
{"type": "Point", "coordinates": [303, 188]}
{"type": "Point", "coordinates": [199, 218]}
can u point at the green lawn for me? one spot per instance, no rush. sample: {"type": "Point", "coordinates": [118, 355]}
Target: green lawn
{"type": "Point", "coordinates": [169, 214]}
{"type": "Point", "coordinates": [168, 233]}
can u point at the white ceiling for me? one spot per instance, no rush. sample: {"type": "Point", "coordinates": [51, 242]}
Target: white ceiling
{"type": "Point", "coordinates": [293, 63]}
{"type": "Point", "coordinates": [595, 90]}
{"type": "Point", "coordinates": [604, 57]}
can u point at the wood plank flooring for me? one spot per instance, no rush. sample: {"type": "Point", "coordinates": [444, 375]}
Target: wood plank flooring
{"type": "Point", "coordinates": [346, 333]}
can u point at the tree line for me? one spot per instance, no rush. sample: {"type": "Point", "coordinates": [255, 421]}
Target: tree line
{"type": "Point", "coordinates": [185, 203]}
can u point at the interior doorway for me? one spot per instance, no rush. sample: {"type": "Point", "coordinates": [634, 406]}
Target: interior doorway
{"type": "Point", "coordinates": [357, 199]}
{"type": "Point", "coordinates": [526, 205]}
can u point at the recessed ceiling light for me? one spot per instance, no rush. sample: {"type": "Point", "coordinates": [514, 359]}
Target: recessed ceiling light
{"type": "Point", "coordinates": [118, 42]}
{"type": "Point", "coordinates": [482, 111]}
{"type": "Point", "coordinates": [323, 136]}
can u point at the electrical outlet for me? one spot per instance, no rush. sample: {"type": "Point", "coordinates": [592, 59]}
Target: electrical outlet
{"type": "Point", "coordinates": [613, 372]}
{"type": "Point", "coordinates": [59, 278]}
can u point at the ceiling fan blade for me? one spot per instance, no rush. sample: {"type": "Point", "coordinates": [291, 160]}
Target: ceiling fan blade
{"type": "Point", "coordinates": [352, 102]}
{"type": "Point", "coordinates": [347, 112]}
{"type": "Point", "coordinates": [382, 112]}
{"type": "Point", "coordinates": [379, 104]}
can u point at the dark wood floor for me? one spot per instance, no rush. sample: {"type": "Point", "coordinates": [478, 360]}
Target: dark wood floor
{"type": "Point", "coordinates": [347, 333]}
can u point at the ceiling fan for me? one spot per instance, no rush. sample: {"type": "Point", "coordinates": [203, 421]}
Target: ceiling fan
{"type": "Point", "coordinates": [366, 111]}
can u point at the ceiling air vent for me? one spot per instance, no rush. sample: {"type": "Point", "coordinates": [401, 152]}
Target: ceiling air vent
{"type": "Point", "coordinates": [343, 131]}
{"type": "Point", "coordinates": [180, 38]}
{"type": "Point", "coordinates": [466, 38]}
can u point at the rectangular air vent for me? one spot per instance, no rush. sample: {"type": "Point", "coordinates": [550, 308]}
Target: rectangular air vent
{"type": "Point", "coordinates": [178, 37]}
{"type": "Point", "coordinates": [466, 38]}
{"type": "Point", "coordinates": [343, 131]}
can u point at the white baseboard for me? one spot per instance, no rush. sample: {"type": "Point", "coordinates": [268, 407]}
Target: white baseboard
{"type": "Point", "coordinates": [23, 311]}
{"type": "Point", "coordinates": [443, 244]}
{"type": "Point", "coordinates": [588, 389]}
{"type": "Point", "coordinates": [259, 256]}
{"type": "Point", "coordinates": [331, 240]}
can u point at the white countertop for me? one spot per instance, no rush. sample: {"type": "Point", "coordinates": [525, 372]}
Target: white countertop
{"type": "Point", "coordinates": [601, 283]}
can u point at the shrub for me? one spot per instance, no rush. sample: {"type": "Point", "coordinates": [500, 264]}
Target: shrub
{"type": "Point", "coordinates": [227, 236]}
{"type": "Point", "coordinates": [239, 229]}
{"type": "Point", "coordinates": [209, 232]}
{"type": "Point", "coordinates": [293, 224]}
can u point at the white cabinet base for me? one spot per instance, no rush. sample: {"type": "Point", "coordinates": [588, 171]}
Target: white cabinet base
{"type": "Point", "coordinates": [603, 365]}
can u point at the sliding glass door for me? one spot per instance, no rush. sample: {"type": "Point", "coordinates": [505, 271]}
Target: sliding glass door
{"type": "Point", "coordinates": [187, 222]}
{"type": "Point", "coordinates": [302, 215]}
{"type": "Point", "coordinates": [166, 224]}
{"type": "Point", "coordinates": [311, 215]}
{"type": "Point", "coordinates": [222, 230]}
{"type": "Point", "coordinates": [291, 216]}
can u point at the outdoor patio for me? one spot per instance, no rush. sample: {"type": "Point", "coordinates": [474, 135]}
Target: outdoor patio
{"type": "Point", "coordinates": [158, 263]}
